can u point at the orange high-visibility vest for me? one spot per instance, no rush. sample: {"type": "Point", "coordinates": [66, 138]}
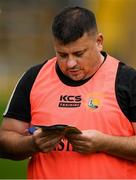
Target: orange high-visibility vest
{"type": "Point", "coordinates": [92, 105]}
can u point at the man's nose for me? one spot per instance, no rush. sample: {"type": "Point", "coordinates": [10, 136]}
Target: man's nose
{"type": "Point", "coordinates": [71, 62]}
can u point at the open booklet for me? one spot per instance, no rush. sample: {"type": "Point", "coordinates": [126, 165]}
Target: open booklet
{"type": "Point", "coordinates": [65, 129]}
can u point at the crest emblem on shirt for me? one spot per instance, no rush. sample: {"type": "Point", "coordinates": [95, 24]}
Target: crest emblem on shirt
{"type": "Point", "coordinates": [93, 101]}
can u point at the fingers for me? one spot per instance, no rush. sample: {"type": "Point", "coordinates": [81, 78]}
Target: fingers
{"type": "Point", "coordinates": [46, 141]}
{"type": "Point", "coordinates": [86, 142]}
{"type": "Point", "coordinates": [46, 146]}
{"type": "Point", "coordinates": [80, 150]}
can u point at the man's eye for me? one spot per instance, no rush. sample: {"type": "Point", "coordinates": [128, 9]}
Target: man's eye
{"type": "Point", "coordinates": [79, 54]}
{"type": "Point", "coordinates": [63, 55]}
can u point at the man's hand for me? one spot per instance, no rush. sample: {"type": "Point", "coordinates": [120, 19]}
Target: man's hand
{"type": "Point", "coordinates": [46, 141]}
{"type": "Point", "coordinates": [89, 141]}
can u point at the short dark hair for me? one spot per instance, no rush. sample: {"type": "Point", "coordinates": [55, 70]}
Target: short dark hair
{"type": "Point", "coordinates": [70, 24]}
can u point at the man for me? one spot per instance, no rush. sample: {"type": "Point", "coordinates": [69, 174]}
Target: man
{"type": "Point", "coordinates": [82, 87]}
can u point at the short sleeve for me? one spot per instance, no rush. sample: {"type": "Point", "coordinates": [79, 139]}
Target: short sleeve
{"type": "Point", "coordinates": [126, 90]}
{"type": "Point", "coordinates": [19, 103]}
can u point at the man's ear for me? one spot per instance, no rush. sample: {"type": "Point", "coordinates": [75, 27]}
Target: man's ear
{"type": "Point", "coordinates": [99, 41]}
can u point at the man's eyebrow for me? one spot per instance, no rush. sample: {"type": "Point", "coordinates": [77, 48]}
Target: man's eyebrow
{"type": "Point", "coordinates": [79, 51]}
{"type": "Point", "coordinates": [61, 52]}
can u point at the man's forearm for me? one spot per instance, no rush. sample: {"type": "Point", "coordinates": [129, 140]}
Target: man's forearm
{"type": "Point", "coordinates": [124, 147]}
{"type": "Point", "coordinates": [15, 146]}
{"type": "Point", "coordinates": [92, 141]}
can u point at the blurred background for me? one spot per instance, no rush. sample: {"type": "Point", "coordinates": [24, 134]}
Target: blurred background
{"type": "Point", "coordinates": [25, 40]}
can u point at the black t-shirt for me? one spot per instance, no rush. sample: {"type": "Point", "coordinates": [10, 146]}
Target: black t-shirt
{"type": "Point", "coordinates": [125, 89]}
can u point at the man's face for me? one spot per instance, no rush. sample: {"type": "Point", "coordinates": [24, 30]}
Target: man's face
{"type": "Point", "coordinates": [79, 59]}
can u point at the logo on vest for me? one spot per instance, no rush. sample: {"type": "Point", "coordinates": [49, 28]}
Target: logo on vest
{"type": "Point", "coordinates": [71, 101]}
{"type": "Point", "coordinates": [64, 145]}
{"type": "Point", "coordinates": [93, 101]}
